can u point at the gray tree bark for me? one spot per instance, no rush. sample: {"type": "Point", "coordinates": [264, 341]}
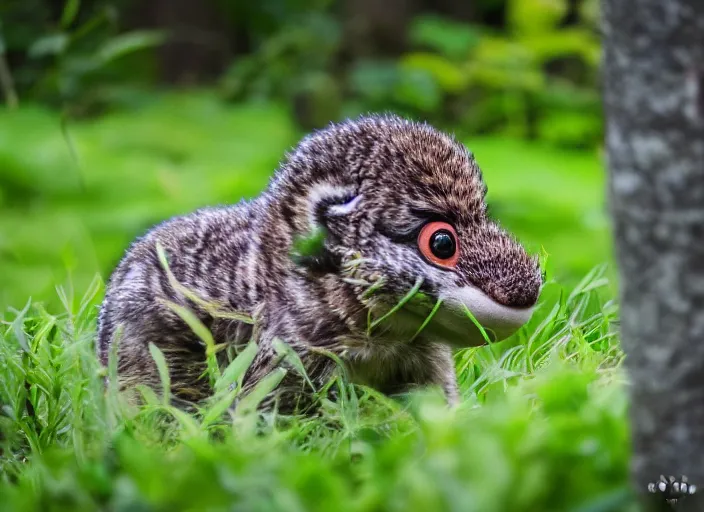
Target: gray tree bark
{"type": "Point", "coordinates": [654, 101]}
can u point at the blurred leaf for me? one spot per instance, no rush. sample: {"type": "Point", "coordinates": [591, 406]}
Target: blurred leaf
{"type": "Point", "coordinates": [550, 45]}
{"type": "Point", "coordinates": [502, 65]}
{"type": "Point", "coordinates": [570, 129]}
{"type": "Point", "coordinates": [18, 328]}
{"type": "Point", "coordinates": [562, 95]}
{"type": "Point", "coordinates": [535, 16]}
{"type": "Point", "coordinates": [130, 42]}
{"type": "Point", "coordinates": [451, 77]}
{"type": "Point", "coordinates": [69, 13]}
{"type": "Point", "coordinates": [418, 89]}
{"type": "Point", "coordinates": [148, 395]}
{"type": "Point", "coordinates": [589, 11]}
{"type": "Point", "coordinates": [450, 38]}
{"type": "Point", "coordinates": [374, 80]}
{"type": "Point", "coordinates": [51, 44]}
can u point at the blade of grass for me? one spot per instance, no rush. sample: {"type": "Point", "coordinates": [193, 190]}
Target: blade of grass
{"type": "Point", "coordinates": [411, 293]}
{"type": "Point", "coordinates": [428, 319]}
{"type": "Point", "coordinates": [163, 370]}
{"type": "Point", "coordinates": [264, 387]}
{"type": "Point", "coordinates": [235, 371]}
{"type": "Point", "coordinates": [203, 333]}
{"type": "Point", "coordinates": [284, 349]}
{"type": "Point", "coordinates": [216, 410]}
{"type": "Point", "coordinates": [213, 308]}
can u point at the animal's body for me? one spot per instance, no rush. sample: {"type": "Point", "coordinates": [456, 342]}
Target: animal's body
{"type": "Point", "coordinates": [400, 204]}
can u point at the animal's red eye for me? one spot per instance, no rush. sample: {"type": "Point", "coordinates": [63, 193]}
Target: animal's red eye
{"type": "Point", "coordinates": [437, 242]}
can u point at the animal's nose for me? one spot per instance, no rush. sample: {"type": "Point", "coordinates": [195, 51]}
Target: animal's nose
{"type": "Point", "coordinates": [498, 265]}
{"type": "Point", "coordinates": [516, 291]}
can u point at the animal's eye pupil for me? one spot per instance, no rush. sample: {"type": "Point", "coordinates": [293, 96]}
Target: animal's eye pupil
{"type": "Point", "coordinates": [442, 244]}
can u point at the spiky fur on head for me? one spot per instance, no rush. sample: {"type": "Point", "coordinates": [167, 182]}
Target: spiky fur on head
{"type": "Point", "coordinates": [369, 185]}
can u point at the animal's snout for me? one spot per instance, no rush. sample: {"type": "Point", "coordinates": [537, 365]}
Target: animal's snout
{"type": "Point", "coordinates": [520, 290]}
{"type": "Point", "coordinates": [500, 267]}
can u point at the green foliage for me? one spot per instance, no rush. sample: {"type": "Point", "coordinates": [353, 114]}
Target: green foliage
{"type": "Point", "coordinates": [309, 246]}
{"type": "Point", "coordinates": [304, 46]}
{"type": "Point", "coordinates": [295, 63]}
{"type": "Point", "coordinates": [536, 80]}
{"type": "Point", "coordinates": [71, 200]}
{"type": "Point", "coordinates": [81, 61]}
{"type": "Point", "coordinates": [64, 216]}
{"type": "Point", "coordinates": [554, 400]}
{"type": "Point", "coordinates": [532, 74]}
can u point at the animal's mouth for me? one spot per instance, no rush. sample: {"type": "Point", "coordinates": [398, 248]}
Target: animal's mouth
{"type": "Point", "coordinates": [466, 302]}
{"type": "Point", "coordinates": [461, 317]}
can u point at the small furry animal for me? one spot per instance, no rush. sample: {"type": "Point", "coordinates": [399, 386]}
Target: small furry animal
{"type": "Point", "coordinates": [401, 208]}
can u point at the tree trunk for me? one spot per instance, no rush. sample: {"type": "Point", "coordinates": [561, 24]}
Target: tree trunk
{"type": "Point", "coordinates": [654, 101]}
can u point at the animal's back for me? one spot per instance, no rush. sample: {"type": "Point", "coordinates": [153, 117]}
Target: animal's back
{"type": "Point", "coordinates": [210, 252]}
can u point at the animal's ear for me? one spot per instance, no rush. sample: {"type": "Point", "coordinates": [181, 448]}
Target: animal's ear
{"type": "Point", "coordinates": [330, 208]}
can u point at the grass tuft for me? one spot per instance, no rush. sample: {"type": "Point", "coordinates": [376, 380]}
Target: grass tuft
{"type": "Point", "coordinates": [550, 398]}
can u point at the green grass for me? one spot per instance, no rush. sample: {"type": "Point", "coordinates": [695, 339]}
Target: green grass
{"type": "Point", "coordinates": [541, 427]}
{"type": "Point", "coordinates": [542, 422]}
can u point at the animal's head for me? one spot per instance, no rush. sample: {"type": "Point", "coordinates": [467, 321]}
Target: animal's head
{"type": "Point", "coordinates": [400, 202]}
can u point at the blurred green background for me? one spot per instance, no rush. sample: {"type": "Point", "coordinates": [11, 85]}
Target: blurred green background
{"type": "Point", "coordinates": [119, 114]}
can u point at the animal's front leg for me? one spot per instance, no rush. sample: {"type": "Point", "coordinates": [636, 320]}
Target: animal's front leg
{"type": "Point", "coordinates": [435, 368]}
{"type": "Point", "coordinates": [445, 375]}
